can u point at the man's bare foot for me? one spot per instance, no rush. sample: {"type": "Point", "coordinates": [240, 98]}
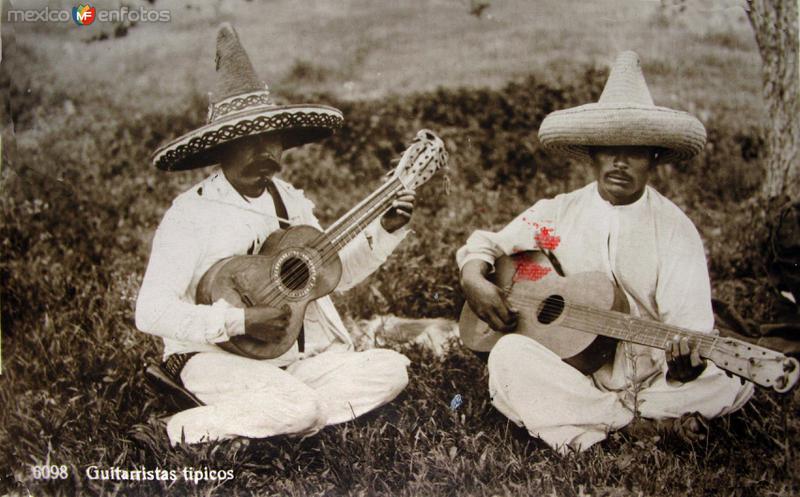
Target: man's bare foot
{"type": "Point", "coordinates": [691, 427]}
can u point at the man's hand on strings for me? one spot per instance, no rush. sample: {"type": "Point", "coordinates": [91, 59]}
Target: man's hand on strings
{"type": "Point", "coordinates": [683, 360]}
{"type": "Point", "coordinates": [400, 213]}
{"type": "Point", "coordinates": [265, 323]}
{"type": "Point", "coordinates": [485, 299]}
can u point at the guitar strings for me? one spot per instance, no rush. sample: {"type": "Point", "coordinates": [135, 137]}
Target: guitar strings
{"type": "Point", "coordinates": [722, 346]}
{"type": "Point", "coordinates": [364, 209]}
{"type": "Point", "coordinates": [414, 148]}
{"type": "Point", "coordinates": [341, 228]}
{"type": "Point", "coordinates": [371, 206]}
{"type": "Point", "coordinates": [341, 225]}
{"type": "Point", "coordinates": [711, 343]}
{"type": "Point", "coordinates": [329, 240]}
{"type": "Point", "coordinates": [299, 272]}
{"type": "Point", "coordinates": [551, 315]}
{"type": "Point", "coordinates": [524, 300]}
{"type": "Point", "coordinates": [329, 249]}
{"type": "Point", "coordinates": [655, 340]}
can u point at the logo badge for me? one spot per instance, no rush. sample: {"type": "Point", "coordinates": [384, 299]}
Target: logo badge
{"type": "Point", "coordinates": [83, 15]}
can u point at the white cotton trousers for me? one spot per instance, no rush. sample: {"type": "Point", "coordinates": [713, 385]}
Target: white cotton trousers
{"type": "Point", "coordinates": [251, 398]}
{"type": "Point", "coordinates": [534, 388]}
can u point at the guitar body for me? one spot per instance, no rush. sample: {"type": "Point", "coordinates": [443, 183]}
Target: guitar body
{"type": "Point", "coordinates": [287, 269]}
{"type": "Point", "coordinates": [543, 322]}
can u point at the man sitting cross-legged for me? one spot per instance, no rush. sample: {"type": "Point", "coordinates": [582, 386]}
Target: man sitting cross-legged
{"type": "Point", "coordinates": [620, 226]}
{"type": "Point", "coordinates": [320, 380]}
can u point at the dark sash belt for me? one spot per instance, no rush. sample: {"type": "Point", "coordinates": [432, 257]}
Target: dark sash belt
{"type": "Point", "coordinates": [175, 363]}
{"type": "Point", "coordinates": [280, 210]}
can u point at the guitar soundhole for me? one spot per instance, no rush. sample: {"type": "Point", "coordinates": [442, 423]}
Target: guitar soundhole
{"type": "Point", "coordinates": [294, 273]}
{"type": "Point", "coordinates": [550, 309]}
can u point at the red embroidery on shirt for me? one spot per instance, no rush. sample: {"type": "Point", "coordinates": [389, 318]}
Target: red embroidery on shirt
{"type": "Point", "coordinates": [545, 238]}
{"type": "Point", "coordinates": [529, 270]}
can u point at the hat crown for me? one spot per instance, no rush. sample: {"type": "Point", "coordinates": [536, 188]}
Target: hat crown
{"type": "Point", "coordinates": [235, 73]}
{"type": "Point", "coordinates": [240, 107]}
{"type": "Point", "coordinates": [626, 84]}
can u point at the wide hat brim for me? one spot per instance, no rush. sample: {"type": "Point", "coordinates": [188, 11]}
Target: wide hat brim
{"type": "Point", "coordinates": [570, 132]}
{"type": "Point", "coordinates": [297, 124]}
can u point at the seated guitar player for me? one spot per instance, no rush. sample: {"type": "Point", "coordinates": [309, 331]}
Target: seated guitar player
{"type": "Point", "coordinates": [321, 380]}
{"type": "Point", "coordinates": [645, 244]}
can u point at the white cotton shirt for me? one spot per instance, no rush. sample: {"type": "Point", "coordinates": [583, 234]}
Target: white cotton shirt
{"type": "Point", "coordinates": [212, 221]}
{"type": "Point", "coordinates": [650, 247]}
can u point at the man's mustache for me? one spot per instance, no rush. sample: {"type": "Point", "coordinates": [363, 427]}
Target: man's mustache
{"type": "Point", "coordinates": [618, 174]}
{"type": "Point", "coordinates": [260, 166]}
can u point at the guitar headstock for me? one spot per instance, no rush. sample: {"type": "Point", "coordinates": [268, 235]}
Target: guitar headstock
{"type": "Point", "coordinates": [421, 160]}
{"type": "Point", "coordinates": [760, 365]}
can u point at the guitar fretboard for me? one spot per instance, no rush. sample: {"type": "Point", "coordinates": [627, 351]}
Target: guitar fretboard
{"type": "Point", "coordinates": [359, 217]}
{"type": "Point", "coordinates": [632, 329]}
{"type": "Point", "coordinates": [628, 328]}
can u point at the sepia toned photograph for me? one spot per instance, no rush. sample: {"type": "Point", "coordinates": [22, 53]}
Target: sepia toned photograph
{"type": "Point", "coordinates": [413, 248]}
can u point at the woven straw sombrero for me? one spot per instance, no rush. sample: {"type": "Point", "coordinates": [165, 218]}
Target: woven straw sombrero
{"type": "Point", "coordinates": [242, 107]}
{"type": "Point", "coordinates": [624, 115]}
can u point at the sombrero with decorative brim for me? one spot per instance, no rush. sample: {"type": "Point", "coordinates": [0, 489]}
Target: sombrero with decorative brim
{"type": "Point", "coordinates": [242, 107]}
{"type": "Point", "coordinates": [624, 115]}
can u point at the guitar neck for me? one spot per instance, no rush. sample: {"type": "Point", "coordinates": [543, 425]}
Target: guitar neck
{"type": "Point", "coordinates": [760, 365]}
{"type": "Point", "coordinates": [359, 217]}
{"type": "Point", "coordinates": [633, 329]}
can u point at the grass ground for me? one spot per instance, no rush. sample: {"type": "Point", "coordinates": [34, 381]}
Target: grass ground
{"type": "Point", "coordinates": [80, 204]}
{"type": "Point", "coordinates": [418, 446]}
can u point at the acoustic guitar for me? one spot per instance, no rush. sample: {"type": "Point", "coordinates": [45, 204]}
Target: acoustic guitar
{"type": "Point", "coordinates": [581, 317]}
{"type": "Point", "coordinates": [300, 264]}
